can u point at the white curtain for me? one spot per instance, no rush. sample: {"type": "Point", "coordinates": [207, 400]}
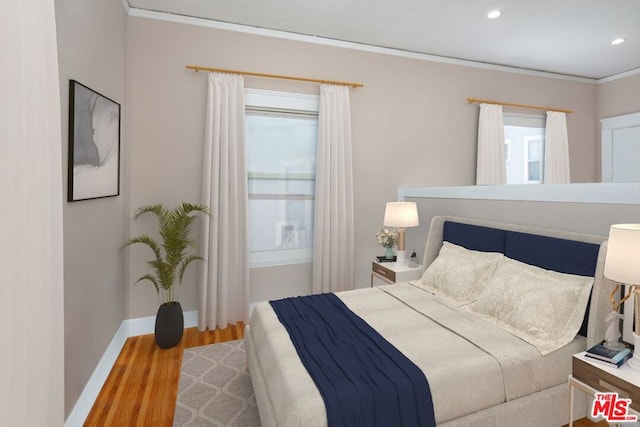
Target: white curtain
{"type": "Point", "coordinates": [491, 168]}
{"type": "Point", "coordinates": [333, 241]}
{"type": "Point", "coordinates": [31, 319]}
{"type": "Point", "coordinates": [556, 149]}
{"type": "Point", "coordinates": [224, 275]}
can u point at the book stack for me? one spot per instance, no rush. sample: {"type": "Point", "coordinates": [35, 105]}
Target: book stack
{"type": "Point", "coordinates": [608, 356]}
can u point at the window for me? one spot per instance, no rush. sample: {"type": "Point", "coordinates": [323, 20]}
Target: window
{"type": "Point", "coordinates": [282, 131]}
{"type": "Point", "coordinates": [533, 162]}
{"type": "Point", "coordinates": [524, 139]}
{"type": "Point", "coordinates": [507, 149]}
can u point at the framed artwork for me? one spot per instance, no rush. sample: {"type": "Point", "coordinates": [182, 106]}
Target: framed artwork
{"type": "Point", "coordinates": [94, 144]}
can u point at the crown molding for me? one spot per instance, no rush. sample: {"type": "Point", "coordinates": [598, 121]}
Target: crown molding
{"type": "Point", "coordinates": [619, 76]}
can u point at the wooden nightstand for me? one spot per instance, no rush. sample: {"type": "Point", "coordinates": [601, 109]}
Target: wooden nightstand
{"type": "Point", "coordinates": [592, 377]}
{"type": "Point", "coordinates": [391, 272]}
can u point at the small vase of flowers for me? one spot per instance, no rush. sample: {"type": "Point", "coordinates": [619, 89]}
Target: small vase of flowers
{"type": "Point", "coordinates": [387, 238]}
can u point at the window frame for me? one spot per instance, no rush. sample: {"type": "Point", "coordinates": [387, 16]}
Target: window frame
{"type": "Point", "coordinates": [285, 103]}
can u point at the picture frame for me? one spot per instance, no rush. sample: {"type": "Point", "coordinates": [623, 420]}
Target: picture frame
{"type": "Point", "coordinates": [94, 144]}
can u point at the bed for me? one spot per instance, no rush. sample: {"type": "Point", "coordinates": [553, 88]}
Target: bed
{"type": "Point", "coordinates": [480, 368]}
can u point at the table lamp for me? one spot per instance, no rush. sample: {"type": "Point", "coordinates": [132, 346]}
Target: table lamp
{"type": "Point", "coordinates": [401, 215]}
{"type": "Point", "coordinates": [622, 265]}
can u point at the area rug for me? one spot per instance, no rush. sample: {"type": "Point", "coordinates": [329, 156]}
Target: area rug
{"type": "Point", "coordinates": [215, 388]}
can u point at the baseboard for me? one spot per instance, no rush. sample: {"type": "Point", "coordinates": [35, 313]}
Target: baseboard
{"type": "Point", "coordinates": [128, 328]}
{"type": "Point", "coordinates": [84, 403]}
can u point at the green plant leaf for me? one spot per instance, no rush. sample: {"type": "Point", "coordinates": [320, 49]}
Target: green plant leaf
{"type": "Point", "coordinates": [144, 239]}
{"type": "Point", "coordinates": [151, 279]}
{"type": "Point", "coordinates": [172, 255]}
{"type": "Point", "coordinates": [185, 263]}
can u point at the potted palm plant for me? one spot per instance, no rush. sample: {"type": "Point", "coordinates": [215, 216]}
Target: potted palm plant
{"type": "Point", "coordinates": [172, 257]}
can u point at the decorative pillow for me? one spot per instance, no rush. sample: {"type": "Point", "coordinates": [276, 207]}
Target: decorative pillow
{"type": "Point", "coordinates": [543, 307]}
{"type": "Point", "coordinates": [457, 275]}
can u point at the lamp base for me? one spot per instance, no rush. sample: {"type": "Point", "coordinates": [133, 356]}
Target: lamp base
{"type": "Point", "coordinates": [634, 362]}
{"type": "Point", "coordinates": [612, 334]}
{"type": "Point", "coordinates": [614, 345]}
{"type": "Point", "coordinates": [401, 258]}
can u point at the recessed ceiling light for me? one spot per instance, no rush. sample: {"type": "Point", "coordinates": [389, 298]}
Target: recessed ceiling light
{"type": "Point", "coordinates": [494, 14]}
{"type": "Point", "coordinates": [617, 41]}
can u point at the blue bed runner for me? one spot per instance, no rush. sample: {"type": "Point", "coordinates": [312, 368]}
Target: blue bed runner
{"type": "Point", "coordinates": [363, 379]}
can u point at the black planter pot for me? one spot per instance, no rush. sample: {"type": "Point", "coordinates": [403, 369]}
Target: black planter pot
{"type": "Point", "coordinates": [169, 324]}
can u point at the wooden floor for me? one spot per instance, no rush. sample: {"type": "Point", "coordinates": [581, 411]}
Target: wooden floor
{"type": "Point", "coordinates": [142, 387]}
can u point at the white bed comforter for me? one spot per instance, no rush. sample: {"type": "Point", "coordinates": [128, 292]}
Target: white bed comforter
{"type": "Point", "coordinates": [469, 363]}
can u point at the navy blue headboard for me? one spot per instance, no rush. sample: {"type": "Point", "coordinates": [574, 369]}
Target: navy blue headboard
{"type": "Point", "coordinates": [550, 253]}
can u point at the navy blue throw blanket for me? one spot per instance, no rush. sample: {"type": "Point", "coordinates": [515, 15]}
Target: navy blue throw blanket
{"type": "Point", "coordinates": [363, 379]}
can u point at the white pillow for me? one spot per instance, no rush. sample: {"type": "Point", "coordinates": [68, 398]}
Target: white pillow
{"type": "Point", "coordinates": [543, 307]}
{"type": "Point", "coordinates": [457, 274]}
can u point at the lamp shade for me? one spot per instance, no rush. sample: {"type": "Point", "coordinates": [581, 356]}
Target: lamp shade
{"type": "Point", "coordinates": [401, 214]}
{"type": "Point", "coordinates": [622, 263]}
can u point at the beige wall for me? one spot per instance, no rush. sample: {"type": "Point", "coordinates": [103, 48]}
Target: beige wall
{"type": "Point", "coordinates": [91, 50]}
{"type": "Point", "coordinates": [411, 125]}
{"type": "Point", "coordinates": [619, 97]}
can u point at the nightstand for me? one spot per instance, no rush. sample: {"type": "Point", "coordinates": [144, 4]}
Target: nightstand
{"type": "Point", "coordinates": [592, 377]}
{"type": "Point", "coordinates": [391, 272]}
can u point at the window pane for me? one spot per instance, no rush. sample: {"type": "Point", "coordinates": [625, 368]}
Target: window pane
{"type": "Point", "coordinates": [534, 171]}
{"type": "Point", "coordinates": [280, 224]}
{"type": "Point", "coordinates": [282, 144]}
{"type": "Point", "coordinates": [535, 149]}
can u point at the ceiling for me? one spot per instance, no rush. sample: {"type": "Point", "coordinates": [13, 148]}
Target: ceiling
{"type": "Point", "coordinates": [570, 37]}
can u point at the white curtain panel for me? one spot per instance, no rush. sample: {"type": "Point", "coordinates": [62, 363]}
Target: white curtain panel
{"type": "Point", "coordinates": [31, 319]}
{"type": "Point", "coordinates": [556, 149]}
{"type": "Point", "coordinates": [491, 168]}
{"type": "Point", "coordinates": [333, 238]}
{"type": "Point", "coordinates": [224, 275]}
